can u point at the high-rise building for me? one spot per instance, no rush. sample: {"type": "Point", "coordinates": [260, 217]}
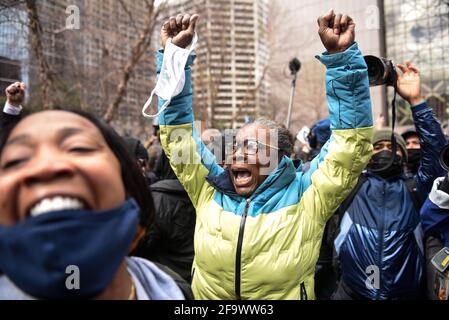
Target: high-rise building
{"type": "Point", "coordinates": [415, 30]}
{"type": "Point", "coordinates": [88, 60]}
{"type": "Point", "coordinates": [294, 33]}
{"type": "Point", "coordinates": [13, 42]}
{"type": "Point", "coordinates": [241, 70]}
{"type": "Point", "coordinates": [418, 30]}
{"type": "Point", "coordinates": [230, 79]}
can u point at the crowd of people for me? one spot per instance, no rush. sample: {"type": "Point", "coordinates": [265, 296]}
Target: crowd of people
{"type": "Point", "coordinates": [88, 214]}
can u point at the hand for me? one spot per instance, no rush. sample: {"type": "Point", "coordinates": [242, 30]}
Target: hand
{"type": "Point", "coordinates": [180, 29]}
{"type": "Point", "coordinates": [337, 32]}
{"type": "Point", "coordinates": [380, 121]}
{"type": "Point", "coordinates": [15, 93]}
{"type": "Point", "coordinates": [408, 84]}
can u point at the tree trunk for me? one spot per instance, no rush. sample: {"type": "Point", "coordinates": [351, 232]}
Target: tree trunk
{"type": "Point", "coordinates": [142, 43]}
{"type": "Point", "coordinates": [45, 74]}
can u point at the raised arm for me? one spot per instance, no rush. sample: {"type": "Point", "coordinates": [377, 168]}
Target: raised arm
{"type": "Point", "coordinates": [335, 171]}
{"type": "Point", "coordinates": [191, 161]}
{"type": "Point", "coordinates": [431, 137]}
{"type": "Point", "coordinates": [11, 114]}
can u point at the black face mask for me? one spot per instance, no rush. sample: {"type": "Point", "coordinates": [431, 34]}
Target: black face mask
{"type": "Point", "coordinates": [380, 160]}
{"type": "Point", "coordinates": [414, 160]}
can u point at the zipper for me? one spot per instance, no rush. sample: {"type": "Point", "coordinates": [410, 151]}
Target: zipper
{"type": "Point", "coordinates": [238, 257]}
{"type": "Point", "coordinates": [302, 291]}
{"type": "Point", "coordinates": [381, 242]}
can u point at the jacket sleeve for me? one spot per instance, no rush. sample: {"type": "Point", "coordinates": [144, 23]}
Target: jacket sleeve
{"type": "Point", "coordinates": [191, 161]}
{"type": "Point", "coordinates": [335, 171]}
{"type": "Point", "coordinates": [7, 120]}
{"type": "Point", "coordinates": [434, 213]}
{"type": "Point", "coordinates": [432, 140]}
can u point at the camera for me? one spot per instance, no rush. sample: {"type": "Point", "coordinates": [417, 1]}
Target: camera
{"type": "Point", "coordinates": [380, 71]}
{"type": "Point", "coordinates": [444, 157]}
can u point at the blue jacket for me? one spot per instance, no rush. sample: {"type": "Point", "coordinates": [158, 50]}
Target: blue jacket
{"type": "Point", "coordinates": [435, 214]}
{"type": "Point", "coordinates": [380, 231]}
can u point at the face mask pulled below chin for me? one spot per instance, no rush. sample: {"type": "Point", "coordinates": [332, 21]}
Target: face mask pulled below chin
{"type": "Point", "coordinates": [71, 254]}
{"type": "Point", "coordinates": [172, 76]}
{"type": "Point", "coordinates": [378, 165]}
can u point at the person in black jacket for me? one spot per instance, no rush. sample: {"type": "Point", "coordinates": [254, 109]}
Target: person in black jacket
{"type": "Point", "coordinates": [170, 242]}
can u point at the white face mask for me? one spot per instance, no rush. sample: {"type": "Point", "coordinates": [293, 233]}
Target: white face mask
{"type": "Point", "coordinates": [171, 78]}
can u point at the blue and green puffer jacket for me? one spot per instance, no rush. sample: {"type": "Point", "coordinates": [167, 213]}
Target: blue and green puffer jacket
{"type": "Point", "coordinates": [266, 246]}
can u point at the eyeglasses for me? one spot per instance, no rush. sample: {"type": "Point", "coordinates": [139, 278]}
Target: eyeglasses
{"type": "Point", "coordinates": [250, 146]}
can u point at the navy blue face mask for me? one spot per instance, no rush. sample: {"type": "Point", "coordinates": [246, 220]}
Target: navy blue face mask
{"type": "Point", "coordinates": [36, 253]}
{"type": "Point", "coordinates": [379, 162]}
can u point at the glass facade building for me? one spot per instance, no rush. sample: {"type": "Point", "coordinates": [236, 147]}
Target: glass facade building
{"type": "Point", "coordinates": [92, 56]}
{"type": "Point", "coordinates": [418, 30]}
{"type": "Point", "coordinates": [14, 56]}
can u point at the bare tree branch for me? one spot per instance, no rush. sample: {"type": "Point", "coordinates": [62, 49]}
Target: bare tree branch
{"type": "Point", "coordinates": [8, 4]}
{"type": "Point", "coordinates": [141, 44]}
{"type": "Point", "coordinates": [129, 14]}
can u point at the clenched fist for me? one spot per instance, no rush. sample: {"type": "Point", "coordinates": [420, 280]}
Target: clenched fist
{"type": "Point", "coordinates": [337, 31]}
{"type": "Point", "coordinates": [15, 93]}
{"type": "Point", "coordinates": [180, 29]}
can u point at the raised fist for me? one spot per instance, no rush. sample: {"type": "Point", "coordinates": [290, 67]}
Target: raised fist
{"type": "Point", "coordinates": [15, 93]}
{"type": "Point", "coordinates": [337, 31]}
{"type": "Point", "coordinates": [180, 29]}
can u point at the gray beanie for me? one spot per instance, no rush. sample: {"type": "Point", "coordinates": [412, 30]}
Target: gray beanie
{"type": "Point", "coordinates": [382, 135]}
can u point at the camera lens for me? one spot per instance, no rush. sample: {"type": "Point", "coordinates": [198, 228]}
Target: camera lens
{"type": "Point", "coordinates": [376, 70]}
{"type": "Point", "coordinates": [380, 71]}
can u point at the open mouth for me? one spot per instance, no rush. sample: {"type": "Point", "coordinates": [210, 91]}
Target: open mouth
{"type": "Point", "coordinates": [57, 203]}
{"type": "Point", "coordinates": [242, 177]}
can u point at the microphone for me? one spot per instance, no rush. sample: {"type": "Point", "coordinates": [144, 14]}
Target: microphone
{"type": "Point", "coordinates": [294, 65]}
